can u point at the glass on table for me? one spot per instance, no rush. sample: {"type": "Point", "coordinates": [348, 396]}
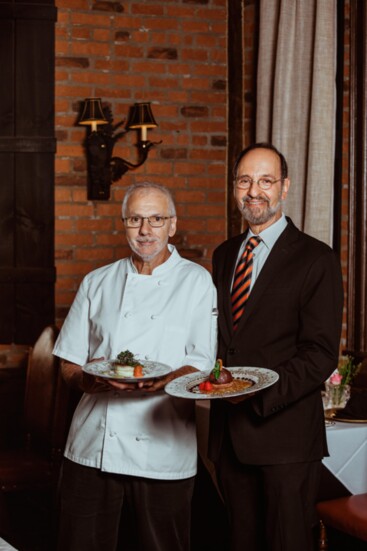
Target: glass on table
{"type": "Point", "coordinates": [335, 395]}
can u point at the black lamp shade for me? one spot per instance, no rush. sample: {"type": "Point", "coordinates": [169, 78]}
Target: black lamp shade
{"type": "Point", "coordinates": [92, 113]}
{"type": "Point", "coordinates": [103, 167]}
{"type": "Point", "coordinates": [140, 115]}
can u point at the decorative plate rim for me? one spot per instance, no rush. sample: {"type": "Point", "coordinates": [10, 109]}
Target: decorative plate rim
{"type": "Point", "coordinates": [102, 369]}
{"type": "Point", "coordinates": [261, 376]}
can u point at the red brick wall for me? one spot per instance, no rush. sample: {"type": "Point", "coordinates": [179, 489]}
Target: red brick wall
{"type": "Point", "coordinates": [172, 53]}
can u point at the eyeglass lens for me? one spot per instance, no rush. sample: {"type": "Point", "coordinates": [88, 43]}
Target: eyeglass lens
{"type": "Point", "coordinates": [154, 221]}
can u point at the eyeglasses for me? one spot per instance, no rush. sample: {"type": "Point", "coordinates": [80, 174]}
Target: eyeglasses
{"type": "Point", "coordinates": [245, 182]}
{"type": "Point", "coordinates": [137, 221]}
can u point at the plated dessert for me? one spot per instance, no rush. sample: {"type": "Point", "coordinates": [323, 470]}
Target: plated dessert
{"type": "Point", "coordinates": [126, 365]}
{"type": "Point", "coordinates": [221, 381]}
{"type": "Point", "coordinates": [127, 368]}
{"type": "Point", "coordinates": [198, 386]}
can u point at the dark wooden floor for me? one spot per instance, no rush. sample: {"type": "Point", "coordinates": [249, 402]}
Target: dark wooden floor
{"type": "Point", "coordinates": [33, 522]}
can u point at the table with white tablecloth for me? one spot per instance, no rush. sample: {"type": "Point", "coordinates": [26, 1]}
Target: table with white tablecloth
{"type": "Point", "coordinates": [347, 443]}
{"type": "Point", "coordinates": [5, 546]}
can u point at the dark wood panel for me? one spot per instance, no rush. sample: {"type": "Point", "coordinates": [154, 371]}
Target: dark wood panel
{"type": "Point", "coordinates": [7, 312]}
{"type": "Point", "coordinates": [235, 106]}
{"type": "Point", "coordinates": [29, 144]}
{"type": "Point", "coordinates": [12, 387]}
{"type": "Point", "coordinates": [357, 222]}
{"type": "Point", "coordinates": [34, 309]}
{"type": "Point", "coordinates": [34, 213]}
{"type": "Point", "coordinates": [6, 83]}
{"type": "Point", "coordinates": [7, 222]}
{"type": "Point", "coordinates": [27, 275]}
{"type": "Point", "coordinates": [28, 10]}
{"type": "Point", "coordinates": [34, 108]}
{"type": "Point", "coordinates": [237, 12]}
{"type": "Point", "coordinates": [27, 148]}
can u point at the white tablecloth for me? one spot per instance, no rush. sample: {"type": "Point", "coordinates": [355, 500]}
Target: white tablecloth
{"type": "Point", "coordinates": [4, 546]}
{"type": "Point", "coordinates": [347, 444]}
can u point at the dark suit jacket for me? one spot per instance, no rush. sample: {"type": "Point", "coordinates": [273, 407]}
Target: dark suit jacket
{"type": "Point", "coordinates": [291, 324]}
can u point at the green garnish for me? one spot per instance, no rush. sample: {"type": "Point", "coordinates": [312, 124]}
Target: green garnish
{"type": "Point", "coordinates": [216, 370]}
{"type": "Point", "coordinates": [127, 358]}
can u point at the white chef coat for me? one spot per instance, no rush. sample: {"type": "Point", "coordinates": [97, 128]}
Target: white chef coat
{"type": "Point", "coordinates": [170, 317]}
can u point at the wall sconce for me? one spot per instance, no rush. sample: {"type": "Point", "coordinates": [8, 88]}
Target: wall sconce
{"type": "Point", "coordinates": [103, 168]}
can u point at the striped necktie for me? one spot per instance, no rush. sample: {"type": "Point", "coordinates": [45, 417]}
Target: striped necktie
{"type": "Point", "coordinates": [242, 280]}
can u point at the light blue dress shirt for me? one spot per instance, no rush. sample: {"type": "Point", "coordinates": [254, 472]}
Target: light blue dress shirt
{"type": "Point", "coordinates": [268, 239]}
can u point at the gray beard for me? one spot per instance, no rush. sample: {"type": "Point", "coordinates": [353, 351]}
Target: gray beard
{"type": "Point", "coordinates": [258, 219]}
{"type": "Point", "coordinates": [146, 257]}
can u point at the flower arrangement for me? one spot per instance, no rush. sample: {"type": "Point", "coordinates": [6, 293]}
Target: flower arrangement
{"type": "Point", "coordinates": [347, 369]}
{"type": "Point", "coordinates": [338, 384]}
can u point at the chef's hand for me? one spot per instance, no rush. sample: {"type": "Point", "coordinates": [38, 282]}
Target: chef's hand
{"type": "Point", "coordinates": [154, 384]}
{"type": "Point", "coordinates": [128, 387]}
{"type": "Point", "coordinates": [150, 386]}
{"type": "Point", "coordinates": [91, 384]}
{"type": "Point", "coordinates": [158, 384]}
{"type": "Point", "coordinates": [75, 377]}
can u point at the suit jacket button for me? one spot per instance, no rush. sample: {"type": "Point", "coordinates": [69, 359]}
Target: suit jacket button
{"type": "Point", "coordinates": [231, 351]}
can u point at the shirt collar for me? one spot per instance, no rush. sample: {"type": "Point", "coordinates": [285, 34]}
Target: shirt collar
{"type": "Point", "coordinates": [270, 235]}
{"type": "Point", "coordinates": [173, 259]}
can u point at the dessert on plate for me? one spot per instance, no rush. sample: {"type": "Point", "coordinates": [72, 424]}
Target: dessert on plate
{"type": "Point", "coordinates": [221, 381]}
{"type": "Point", "coordinates": [126, 365]}
{"type": "Point", "coordinates": [220, 376]}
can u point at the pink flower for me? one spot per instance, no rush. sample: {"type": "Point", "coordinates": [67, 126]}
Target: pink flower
{"type": "Point", "coordinates": [335, 379]}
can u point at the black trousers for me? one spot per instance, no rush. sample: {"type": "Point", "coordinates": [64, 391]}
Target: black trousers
{"type": "Point", "coordinates": [91, 505]}
{"type": "Point", "coordinates": [270, 507]}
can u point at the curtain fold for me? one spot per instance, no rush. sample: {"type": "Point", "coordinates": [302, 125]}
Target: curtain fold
{"type": "Point", "coordinates": [296, 103]}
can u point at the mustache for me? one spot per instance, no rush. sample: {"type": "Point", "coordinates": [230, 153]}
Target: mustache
{"type": "Point", "coordinates": [146, 239]}
{"type": "Point", "coordinates": [248, 199]}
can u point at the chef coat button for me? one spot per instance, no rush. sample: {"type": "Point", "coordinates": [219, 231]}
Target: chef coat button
{"type": "Point", "coordinates": [146, 357]}
{"type": "Point", "coordinates": [160, 283]}
{"type": "Point", "coordinates": [137, 438]}
{"type": "Point", "coordinates": [153, 317]}
{"type": "Point", "coordinates": [127, 314]}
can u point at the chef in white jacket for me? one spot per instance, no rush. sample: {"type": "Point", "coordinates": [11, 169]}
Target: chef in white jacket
{"type": "Point", "coordinates": [132, 444]}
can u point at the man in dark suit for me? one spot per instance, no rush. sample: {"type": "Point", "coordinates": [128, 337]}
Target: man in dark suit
{"type": "Point", "coordinates": [268, 448]}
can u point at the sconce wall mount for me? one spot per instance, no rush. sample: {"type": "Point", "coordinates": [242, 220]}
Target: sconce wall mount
{"type": "Point", "coordinates": [104, 168]}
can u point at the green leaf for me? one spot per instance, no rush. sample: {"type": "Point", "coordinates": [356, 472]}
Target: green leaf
{"type": "Point", "coordinates": [126, 358]}
{"type": "Point", "coordinates": [216, 370]}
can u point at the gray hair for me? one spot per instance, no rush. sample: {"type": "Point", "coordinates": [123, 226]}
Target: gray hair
{"type": "Point", "coordinates": [147, 186]}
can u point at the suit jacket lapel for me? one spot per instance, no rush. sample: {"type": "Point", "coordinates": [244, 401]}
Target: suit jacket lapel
{"type": "Point", "coordinates": [273, 263]}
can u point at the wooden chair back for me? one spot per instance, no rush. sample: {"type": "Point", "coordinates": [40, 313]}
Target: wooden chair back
{"type": "Point", "coordinates": [49, 403]}
{"type": "Point", "coordinates": [41, 386]}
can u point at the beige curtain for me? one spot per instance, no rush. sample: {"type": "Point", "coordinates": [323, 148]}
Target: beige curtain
{"type": "Point", "coordinates": [296, 102]}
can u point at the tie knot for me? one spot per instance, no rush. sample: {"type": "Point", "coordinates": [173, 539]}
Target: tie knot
{"type": "Point", "coordinates": [252, 243]}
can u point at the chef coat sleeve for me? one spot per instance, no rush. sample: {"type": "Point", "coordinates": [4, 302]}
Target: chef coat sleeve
{"type": "Point", "coordinates": [201, 343]}
{"type": "Point", "coordinates": [73, 342]}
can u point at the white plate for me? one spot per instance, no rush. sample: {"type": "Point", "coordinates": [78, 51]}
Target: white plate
{"type": "Point", "coordinates": [187, 386]}
{"type": "Point", "coordinates": [104, 369]}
